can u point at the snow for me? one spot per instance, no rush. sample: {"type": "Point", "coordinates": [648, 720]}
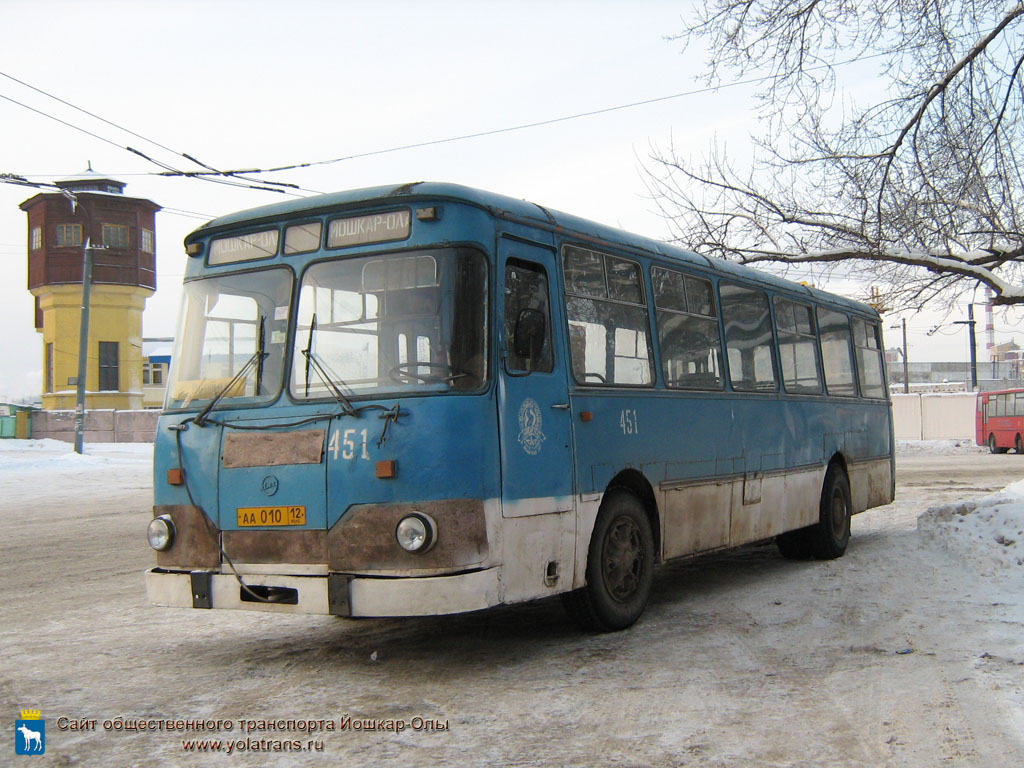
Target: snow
{"type": "Point", "coordinates": [21, 455]}
{"type": "Point", "coordinates": [37, 470]}
{"type": "Point", "coordinates": [938, 447]}
{"type": "Point", "coordinates": [987, 532]}
{"type": "Point", "coordinates": [741, 658]}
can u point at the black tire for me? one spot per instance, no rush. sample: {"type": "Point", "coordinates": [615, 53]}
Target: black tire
{"type": "Point", "coordinates": [992, 448]}
{"type": "Point", "coordinates": [796, 545]}
{"type": "Point", "coordinates": [832, 532]}
{"type": "Point", "coordinates": [620, 567]}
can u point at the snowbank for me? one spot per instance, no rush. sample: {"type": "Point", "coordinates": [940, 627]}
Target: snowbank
{"type": "Point", "coordinates": [53, 455]}
{"type": "Point", "coordinates": [938, 447]}
{"type": "Point", "coordinates": [987, 532]}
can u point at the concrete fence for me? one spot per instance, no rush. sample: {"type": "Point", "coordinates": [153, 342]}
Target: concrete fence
{"type": "Point", "coordinates": [934, 417]}
{"type": "Point", "coordinates": [100, 426]}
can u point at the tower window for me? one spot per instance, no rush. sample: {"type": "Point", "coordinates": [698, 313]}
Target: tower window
{"type": "Point", "coordinates": [49, 366]}
{"type": "Point", "coordinates": [108, 366]}
{"type": "Point", "coordinates": [69, 234]}
{"type": "Point", "coordinates": [115, 235]}
{"type": "Point", "coordinates": [37, 238]}
{"type": "Point", "coordinates": [147, 240]}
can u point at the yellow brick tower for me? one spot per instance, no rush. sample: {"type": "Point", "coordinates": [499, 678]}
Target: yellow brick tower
{"type": "Point", "coordinates": [91, 207]}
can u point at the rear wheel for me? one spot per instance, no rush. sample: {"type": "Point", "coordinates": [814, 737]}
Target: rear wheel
{"type": "Point", "coordinates": [832, 533]}
{"type": "Point", "coordinates": [620, 566]}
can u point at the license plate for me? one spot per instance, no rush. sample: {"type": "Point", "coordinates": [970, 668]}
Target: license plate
{"type": "Point", "coordinates": [257, 516]}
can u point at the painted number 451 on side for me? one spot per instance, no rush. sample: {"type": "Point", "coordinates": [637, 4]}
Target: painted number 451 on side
{"type": "Point", "coordinates": [628, 422]}
{"type": "Point", "coordinates": [345, 445]}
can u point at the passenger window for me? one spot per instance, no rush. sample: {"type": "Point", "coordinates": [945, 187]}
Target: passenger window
{"type": "Point", "coordinates": [609, 334]}
{"type": "Point", "coordinates": [869, 358]}
{"type": "Point", "coordinates": [834, 329]}
{"type": "Point", "coordinates": [527, 318]}
{"type": "Point", "coordinates": [688, 335]}
{"type": "Point", "coordinates": [798, 354]}
{"type": "Point", "coordinates": [748, 338]}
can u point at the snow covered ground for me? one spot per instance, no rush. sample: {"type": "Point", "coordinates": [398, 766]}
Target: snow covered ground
{"type": "Point", "coordinates": [909, 651]}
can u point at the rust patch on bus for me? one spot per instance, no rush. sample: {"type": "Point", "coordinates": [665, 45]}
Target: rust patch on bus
{"type": "Point", "coordinates": [300, 547]}
{"type": "Point", "coordinates": [364, 538]}
{"type": "Point", "coordinates": [272, 449]}
{"type": "Point", "coordinates": [195, 539]}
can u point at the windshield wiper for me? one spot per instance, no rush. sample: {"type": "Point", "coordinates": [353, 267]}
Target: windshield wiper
{"type": "Point", "coordinates": [256, 359]}
{"type": "Point", "coordinates": [261, 355]}
{"type": "Point", "coordinates": [311, 359]}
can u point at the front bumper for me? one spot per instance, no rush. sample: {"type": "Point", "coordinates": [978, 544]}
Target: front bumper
{"type": "Point", "coordinates": [338, 594]}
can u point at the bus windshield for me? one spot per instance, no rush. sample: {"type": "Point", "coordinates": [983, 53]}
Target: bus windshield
{"type": "Point", "coordinates": [231, 340]}
{"type": "Point", "coordinates": [386, 324]}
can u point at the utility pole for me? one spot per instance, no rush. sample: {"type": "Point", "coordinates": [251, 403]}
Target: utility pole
{"type": "Point", "coordinates": [83, 347]}
{"type": "Point", "coordinates": [906, 366]}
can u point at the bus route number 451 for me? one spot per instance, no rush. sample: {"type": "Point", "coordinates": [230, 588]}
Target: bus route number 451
{"type": "Point", "coordinates": [629, 423]}
{"type": "Point", "coordinates": [343, 444]}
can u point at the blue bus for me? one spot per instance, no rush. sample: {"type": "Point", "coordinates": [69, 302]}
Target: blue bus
{"type": "Point", "coordinates": [430, 399]}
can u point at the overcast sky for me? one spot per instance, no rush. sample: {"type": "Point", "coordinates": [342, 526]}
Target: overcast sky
{"type": "Point", "coordinates": [260, 84]}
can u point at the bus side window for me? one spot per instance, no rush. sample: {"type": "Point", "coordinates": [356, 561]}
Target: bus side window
{"type": "Point", "coordinates": [797, 347]}
{"type": "Point", "coordinates": [527, 318]}
{"type": "Point", "coordinates": [609, 333]}
{"type": "Point", "coordinates": [834, 328]}
{"type": "Point", "coordinates": [869, 358]}
{"type": "Point", "coordinates": [748, 338]}
{"type": "Point", "coordinates": [691, 350]}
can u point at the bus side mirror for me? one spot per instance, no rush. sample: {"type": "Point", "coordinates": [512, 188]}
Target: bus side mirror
{"type": "Point", "coordinates": [531, 328]}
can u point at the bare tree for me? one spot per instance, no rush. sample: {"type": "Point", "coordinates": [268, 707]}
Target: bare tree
{"type": "Point", "coordinates": [923, 184]}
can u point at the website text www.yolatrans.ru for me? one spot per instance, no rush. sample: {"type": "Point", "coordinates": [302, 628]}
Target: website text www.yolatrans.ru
{"type": "Point", "coordinates": [347, 723]}
{"type": "Point", "coordinates": [252, 745]}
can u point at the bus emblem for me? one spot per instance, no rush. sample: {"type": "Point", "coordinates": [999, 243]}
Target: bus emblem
{"type": "Point", "coordinates": [530, 435]}
{"type": "Point", "coordinates": [269, 485]}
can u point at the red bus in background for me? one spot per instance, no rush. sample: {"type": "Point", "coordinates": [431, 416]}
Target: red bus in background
{"type": "Point", "coordinates": [1000, 420]}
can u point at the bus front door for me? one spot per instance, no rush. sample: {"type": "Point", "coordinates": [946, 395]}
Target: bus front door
{"type": "Point", "coordinates": [535, 420]}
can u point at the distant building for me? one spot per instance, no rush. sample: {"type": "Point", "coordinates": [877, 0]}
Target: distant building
{"type": "Point", "coordinates": [92, 208]}
{"type": "Point", "coordinates": [156, 362]}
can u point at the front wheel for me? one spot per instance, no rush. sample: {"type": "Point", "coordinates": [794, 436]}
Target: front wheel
{"type": "Point", "coordinates": [620, 566]}
{"type": "Point", "coordinates": [993, 448]}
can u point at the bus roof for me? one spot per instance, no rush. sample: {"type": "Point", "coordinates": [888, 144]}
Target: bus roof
{"type": "Point", "coordinates": [503, 206]}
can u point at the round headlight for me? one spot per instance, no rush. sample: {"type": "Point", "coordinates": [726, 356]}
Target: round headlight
{"type": "Point", "coordinates": [161, 533]}
{"type": "Point", "coordinates": [415, 533]}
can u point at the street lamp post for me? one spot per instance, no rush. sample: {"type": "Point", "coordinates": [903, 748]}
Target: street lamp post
{"type": "Point", "coordinates": [906, 366]}
{"type": "Point", "coordinates": [969, 322]}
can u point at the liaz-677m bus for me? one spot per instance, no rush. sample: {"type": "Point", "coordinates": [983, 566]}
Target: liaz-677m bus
{"type": "Point", "coordinates": [429, 399]}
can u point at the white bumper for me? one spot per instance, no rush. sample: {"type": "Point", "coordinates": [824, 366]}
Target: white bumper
{"type": "Point", "coordinates": [367, 597]}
